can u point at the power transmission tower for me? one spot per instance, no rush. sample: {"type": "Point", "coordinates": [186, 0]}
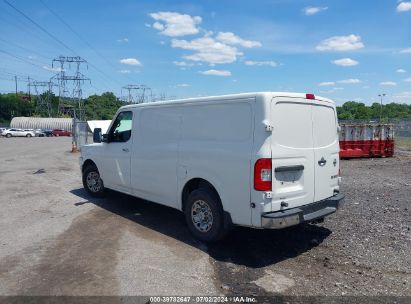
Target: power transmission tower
{"type": "Point", "coordinates": [73, 81]}
{"type": "Point", "coordinates": [43, 91]}
{"type": "Point", "coordinates": [138, 93]}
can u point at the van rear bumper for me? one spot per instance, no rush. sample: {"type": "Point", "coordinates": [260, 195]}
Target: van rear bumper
{"type": "Point", "coordinates": [306, 213]}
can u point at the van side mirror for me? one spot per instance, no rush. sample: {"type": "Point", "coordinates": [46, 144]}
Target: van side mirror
{"type": "Point", "coordinates": [97, 137]}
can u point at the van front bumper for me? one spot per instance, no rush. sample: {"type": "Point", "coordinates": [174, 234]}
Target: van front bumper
{"type": "Point", "coordinates": [302, 214]}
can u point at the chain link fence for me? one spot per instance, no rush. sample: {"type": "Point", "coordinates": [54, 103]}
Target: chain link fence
{"type": "Point", "coordinates": [81, 134]}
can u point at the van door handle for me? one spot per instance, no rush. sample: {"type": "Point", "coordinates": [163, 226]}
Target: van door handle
{"type": "Point", "coordinates": [322, 162]}
{"type": "Point", "coordinates": [289, 168]}
{"type": "Point", "coordinates": [125, 149]}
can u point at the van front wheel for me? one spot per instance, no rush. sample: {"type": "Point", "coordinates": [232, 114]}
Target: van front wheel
{"type": "Point", "coordinates": [204, 215]}
{"type": "Point", "coordinates": [92, 181]}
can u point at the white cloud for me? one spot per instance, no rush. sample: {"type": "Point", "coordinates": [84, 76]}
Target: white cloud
{"type": "Point", "coordinates": [124, 71]}
{"type": "Point", "coordinates": [345, 62]}
{"type": "Point", "coordinates": [404, 6]}
{"type": "Point", "coordinates": [158, 26]}
{"type": "Point", "coordinates": [341, 43]}
{"type": "Point", "coordinates": [406, 51]}
{"type": "Point", "coordinates": [51, 69]}
{"type": "Point", "coordinates": [402, 97]}
{"type": "Point", "coordinates": [313, 10]}
{"type": "Point", "coordinates": [261, 63]}
{"type": "Point", "coordinates": [216, 73]}
{"type": "Point", "coordinates": [407, 79]}
{"type": "Point", "coordinates": [125, 40]}
{"type": "Point", "coordinates": [183, 63]}
{"type": "Point", "coordinates": [183, 85]}
{"type": "Point", "coordinates": [333, 90]}
{"type": "Point", "coordinates": [231, 38]}
{"type": "Point", "coordinates": [401, 71]}
{"type": "Point", "coordinates": [388, 83]}
{"type": "Point", "coordinates": [207, 49]}
{"type": "Point", "coordinates": [327, 83]}
{"type": "Point", "coordinates": [130, 61]}
{"type": "Point", "coordinates": [349, 81]}
{"type": "Point", "coordinates": [175, 24]}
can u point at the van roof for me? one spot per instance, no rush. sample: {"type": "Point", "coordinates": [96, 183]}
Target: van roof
{"type": "Point", "coordinates": [227, 97]}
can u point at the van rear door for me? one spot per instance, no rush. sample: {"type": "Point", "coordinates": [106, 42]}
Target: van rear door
{"type": "Point", "coordinates": [293, 175]}
{"type": "Point", "coordinates": [326, 148]}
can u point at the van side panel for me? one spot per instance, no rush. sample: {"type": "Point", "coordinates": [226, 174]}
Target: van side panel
{"type": "Point", "coordinates": [216, 143]}
{"type": "Point", "coordinates": [155, 154]}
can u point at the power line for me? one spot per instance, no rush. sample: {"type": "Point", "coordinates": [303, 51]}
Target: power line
{"type": "Point", "coordinates": [80, 37]}
{"type": "Point", "coordinates": [39, 26]}
{"type": "Point", "coordinates": [24, 48]}
{"type": "Point", "coordinates": [53, 36]}
{"type": "Point", "coordinates": [77, 34]}
{"type": "Point", "coordinates": [27, 28]}
{"type": "Point", "coordinates": [20, 75]}
{"type": "Point", "coordinates": [21, 59]}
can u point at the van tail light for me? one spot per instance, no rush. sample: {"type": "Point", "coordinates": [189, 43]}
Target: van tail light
{"type": "Point", "coordinates": [309, 96]}
{"type": "Point", "coordinates": [263, 174]}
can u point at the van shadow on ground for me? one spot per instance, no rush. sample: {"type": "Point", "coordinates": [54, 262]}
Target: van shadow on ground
{"type": "Point", "coordinates": [243, 246]}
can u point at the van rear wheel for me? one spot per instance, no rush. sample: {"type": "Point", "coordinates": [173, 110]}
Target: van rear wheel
{"type": "Point", "coordinates": [92, 182]}
{"type": "Point", "coordinates": [204, 215]}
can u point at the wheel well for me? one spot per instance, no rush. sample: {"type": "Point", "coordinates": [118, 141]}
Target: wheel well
{"type": "Point", "coordinates": [197, 183]}
{"type": "Point", "coordinates": [88, 163]}
{"type": "Point", "coordinates": [194, 184]}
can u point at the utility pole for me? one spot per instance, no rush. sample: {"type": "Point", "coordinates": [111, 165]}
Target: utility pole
{"type": "Point", "coordinates": [28, 81]}
{"type": "Point", "coordinates": [15, 80]}
{"type": "Point", "coordinates": [381, 96]}
{"type": "Point", "coordinates": [140, 93]}
{"type": "Point", "coordinates": [43, 91]}
{"type": "Point", "coordinates": [76, 79]}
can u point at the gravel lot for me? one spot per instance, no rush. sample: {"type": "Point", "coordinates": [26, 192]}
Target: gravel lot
{"type": "Point", "coordinates": [56, 240]}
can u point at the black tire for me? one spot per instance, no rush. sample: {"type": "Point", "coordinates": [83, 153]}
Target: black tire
{"type": "Point", "coordinates": [8, 135]}
{"type": "Point", "coordinates": [211, 203]}
{"type": "Point", "coordinates": [28, 135]}
{"type": "Point", "coordinates": [96, 190]}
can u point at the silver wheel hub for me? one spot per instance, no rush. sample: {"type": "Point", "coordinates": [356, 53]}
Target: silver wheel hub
{"type": "Point", "coordinates": [201, 216]}
{"type": "Point", "coordinates": [93, 181]}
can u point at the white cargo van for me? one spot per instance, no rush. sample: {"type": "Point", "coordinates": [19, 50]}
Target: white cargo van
{"type": "Point", "coordinates": [263, 160]}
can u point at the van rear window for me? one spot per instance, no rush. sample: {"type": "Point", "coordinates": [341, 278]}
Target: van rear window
{"type": "Point", "coordinates": [325, 126]}
{"type": "Point", "coordinates": [292, 125]}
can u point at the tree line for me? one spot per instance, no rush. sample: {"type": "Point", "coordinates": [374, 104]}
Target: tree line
{"type": "Point", "coordinates": [97, 107]}
{"type": "Point", "coordinates": [104, 106]}
{"type": "Point", "coordinates": [352, 110]}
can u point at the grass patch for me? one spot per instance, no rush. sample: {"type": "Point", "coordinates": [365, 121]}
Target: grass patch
{"type": "Point", "coordinates": [403, 143]}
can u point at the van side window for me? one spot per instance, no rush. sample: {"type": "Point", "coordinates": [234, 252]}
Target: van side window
{"type": "Point", "coordinates": [121, 129]}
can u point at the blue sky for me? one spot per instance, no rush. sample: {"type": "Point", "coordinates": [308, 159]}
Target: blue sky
{"type": "Point", "coordinates": [344, 50]}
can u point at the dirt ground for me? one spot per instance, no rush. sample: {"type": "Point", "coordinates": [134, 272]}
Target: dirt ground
{"type": "Point", "coordinates": [56, 240]}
